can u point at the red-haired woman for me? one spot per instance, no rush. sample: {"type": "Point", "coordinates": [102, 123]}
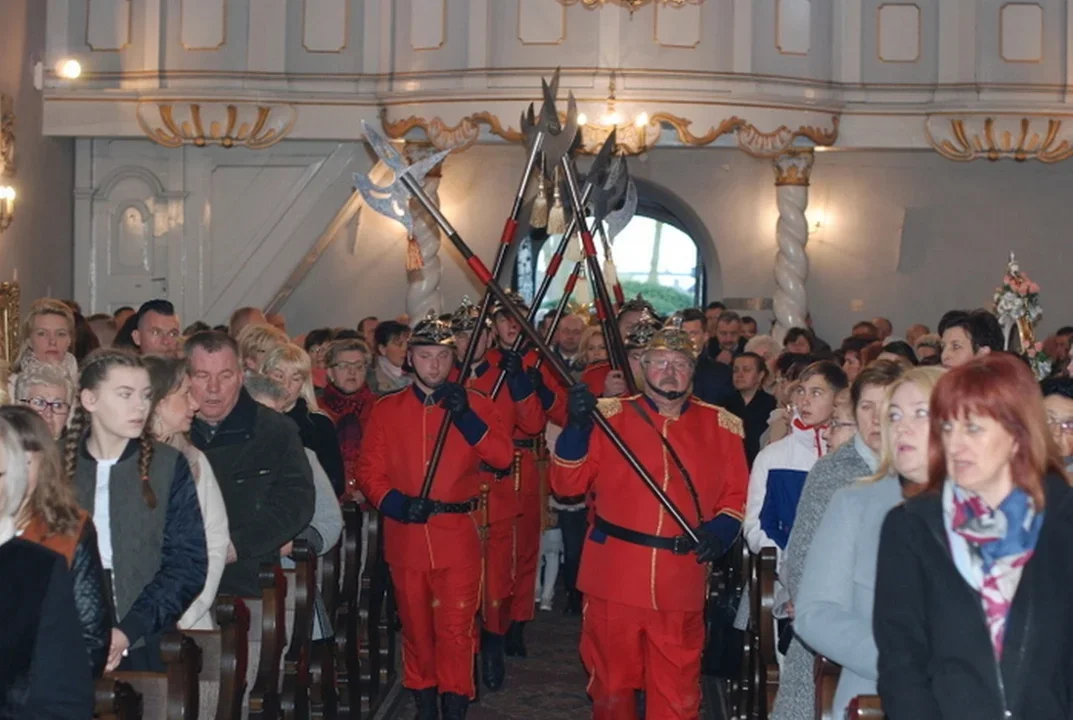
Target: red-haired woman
{"type": "Point", "coordinates": [974, 608]}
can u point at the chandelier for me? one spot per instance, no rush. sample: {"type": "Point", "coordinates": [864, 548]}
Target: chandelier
{"type": "Point", "coordinates": [634, 135]}
{"type": "Point", "coordinates": [631, 5]}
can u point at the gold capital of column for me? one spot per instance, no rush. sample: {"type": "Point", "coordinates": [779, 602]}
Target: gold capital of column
{"type": "Point", "coordinates": [794, 167]}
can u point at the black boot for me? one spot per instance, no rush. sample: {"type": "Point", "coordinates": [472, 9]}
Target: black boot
{"type": "Point", "coordinates": [425, 701]}
{"type": "Point", "coordinates": [573, 604]}
{"type": "Point", "coordinates": [493, 667]}
{"type": "Point", "coordinates": [516, 640]}
{"type": "Point", "coordinates": [454, 706]}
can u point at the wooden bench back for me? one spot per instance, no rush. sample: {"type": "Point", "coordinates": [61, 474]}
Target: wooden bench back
{"type": "Point", "coordinates": [173, 694]}
{"type": "Point", "coordinates": [224, 659]}
{"type": "Point", "coordinates": [264, 696]}
{"type": "Point", "coordinates": [865, 707]}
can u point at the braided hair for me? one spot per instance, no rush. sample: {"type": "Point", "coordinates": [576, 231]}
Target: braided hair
{"type": "Point", "coordinates": [95, 369]}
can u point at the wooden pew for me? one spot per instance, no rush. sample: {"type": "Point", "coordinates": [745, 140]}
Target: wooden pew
{"type": "Point", "coordinates": [346, 619]}
{"type": "Point", "coordinates": [766, 662]}
{"type": "Point", "coordinates": [323, 691]}
{"type": "Point", "coordinates": [172, 694]}
{"type": "Point", "coordinates": [267, 637]}
{"type": "Point", "coordinates": [301, 589]}
{"type": "Point", "coordinates": [116, 700]}
{"type": "Point", "coordinates": [865, 707]}
{"type": "Point", "coordinates": [224, 660]}
{"type": "Point", "coordinates": [825, 674]}
{"type": "Point", "coordinates": [370, 604]}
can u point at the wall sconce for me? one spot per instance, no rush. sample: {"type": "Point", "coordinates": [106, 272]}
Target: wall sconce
{"type": "Point", "coordinates": [7, 206]}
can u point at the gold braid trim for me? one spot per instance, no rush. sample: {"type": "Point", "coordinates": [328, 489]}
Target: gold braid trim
{"type": "Point", "coordinates": [730, 421]}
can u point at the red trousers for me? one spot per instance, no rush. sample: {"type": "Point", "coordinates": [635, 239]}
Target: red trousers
{"type": "Point", "coordinates": [499, 575]}
{"type": "Point", "coordinates": [627, 648]}
{"type": "Point", "coordinates": [438, 610]}
{"type": "Point", "coordinates": [528, 530]}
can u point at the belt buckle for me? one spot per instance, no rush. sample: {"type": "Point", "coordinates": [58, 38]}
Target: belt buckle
{"type": "Point", "coordinates": [683, 545]}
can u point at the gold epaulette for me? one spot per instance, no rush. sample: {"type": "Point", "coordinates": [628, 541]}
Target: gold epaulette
{"type": "Point", "coordinates": [730, 421]}
{"type": "Point", "coordinates": [609, 407]}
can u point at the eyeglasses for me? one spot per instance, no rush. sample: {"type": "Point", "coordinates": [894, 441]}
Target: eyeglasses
{"type": "Point", "coordinates": [345, 366]}
{"type": "Point", "coordinates": [679, 366]}
{"type": "Point", "coordinates": [1066, 425]}
{"type": "Point", "coordinates": [40, 404]}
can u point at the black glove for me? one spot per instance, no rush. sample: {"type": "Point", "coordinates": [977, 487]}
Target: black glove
{"type": "Point", "coordinates": [417, 510]}
{"type": "Point", "coordinates": [453, 398]}
{"type": "Point", "coordinates": [580, 405]}
{"type": "Point", "coordinates": [536, 377]}
{"type": "Point", "coordinates": [708, 547]}
{"type": "Point", "coordinates": [511, 363]}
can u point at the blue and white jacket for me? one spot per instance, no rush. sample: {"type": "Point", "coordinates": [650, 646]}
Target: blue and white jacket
{"type": "Point", "coordinates": [775, 485]}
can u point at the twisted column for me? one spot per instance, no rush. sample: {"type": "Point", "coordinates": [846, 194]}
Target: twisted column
{"type": "Point", "coordinates": [423, 284]}
{"type": "Point", "coordinates": [792, 171]}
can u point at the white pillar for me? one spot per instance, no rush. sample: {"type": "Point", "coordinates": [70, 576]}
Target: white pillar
{"type": "Point", "coordinates": [423, 285]}
{"type": "Point", "coordinates": [792, 171]}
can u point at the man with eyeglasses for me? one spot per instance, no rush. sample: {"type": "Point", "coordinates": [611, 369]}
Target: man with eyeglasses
{"type": "Point", "coordinates": [1058, 402]}
{"type": "Point", "coordinates": [644, 579]}
{"type": "Point", "coordinates": [347, 399]}
{"type": "Point", "coordinates": [157, 329]}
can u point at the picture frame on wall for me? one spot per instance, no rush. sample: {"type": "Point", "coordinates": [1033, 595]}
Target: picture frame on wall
{"type": "Point", "coordinates": [9, 322]}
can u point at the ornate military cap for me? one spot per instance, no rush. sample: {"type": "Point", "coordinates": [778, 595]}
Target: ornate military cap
{"type": "Point", "coordinates": [464, 319]}
{"type": "Point", "coordinates": [641, 333]}
{"type": "Point", "coordinates": [672, 337]}
{"type": "Point", "coordinates": [432, 331]}
{"type": "Point", "coordinates": [637, 304]}
{"type": "Point", "coordinates": [515, 298]}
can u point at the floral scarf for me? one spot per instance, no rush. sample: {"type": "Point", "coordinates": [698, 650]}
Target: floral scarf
{"type": "Point", "coordinates": [1001, 541]}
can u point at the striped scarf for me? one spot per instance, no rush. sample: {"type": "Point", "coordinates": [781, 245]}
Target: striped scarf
{"type": "Point", "coordinates": [1001, 542]}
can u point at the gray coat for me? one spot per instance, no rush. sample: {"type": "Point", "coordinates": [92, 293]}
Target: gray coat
{"type": "Point", "coordinates": [834, 602]}
{"type": "Point", "coordinates": [831, 473]}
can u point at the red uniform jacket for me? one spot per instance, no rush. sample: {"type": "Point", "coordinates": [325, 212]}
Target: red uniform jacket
{"type": "Point", "coordinates": [595, 375]}
{"type": "Point", "coordinates": [708, 440]}
{"type": "Point", "coordinates": [552, 395]}
{"type": "Point", "coordinates": [394, 454]}
{"type": "Point", "coordinates": [525, 415]}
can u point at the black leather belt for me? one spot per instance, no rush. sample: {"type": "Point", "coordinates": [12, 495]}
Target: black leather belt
{"type": "Point", "coordinates": [500, 474]}
{"type": "Point", "coordinates": [679, 545]}
{"type": "Point", "coordinates": [527, 444]}
{"type": "Point", "coordinates": [461, 508]}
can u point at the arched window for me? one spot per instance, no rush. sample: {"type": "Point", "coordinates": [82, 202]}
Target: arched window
{"type": "Point", "coordinates": [654, 255]}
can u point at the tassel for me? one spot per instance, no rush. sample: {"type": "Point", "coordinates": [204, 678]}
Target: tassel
{"type": "Point", "coordinates": [539, 216]}
{"type": "Point", "coordinates": [557, 215]}
{"type": "Point", "coordinates": [610, 273]}
{"type": "Point", "coordinates": [414, 261]}
{"type": "Point", "coordinates": [574, 252]}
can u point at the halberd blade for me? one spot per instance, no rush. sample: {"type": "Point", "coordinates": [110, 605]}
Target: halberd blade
{"type": "Point", "coordinates": [618, 219]}
{"type": "Point", "coordinates": [560, 138]}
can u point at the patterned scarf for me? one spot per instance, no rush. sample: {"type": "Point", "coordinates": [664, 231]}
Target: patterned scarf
{"type": "Point", "coordinates": [1001, 542]}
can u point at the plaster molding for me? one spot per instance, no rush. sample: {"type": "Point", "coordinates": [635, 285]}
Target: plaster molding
{"type": "Point", "coordinates": [632, 139]}
{"type": "Point", "coordinates": [1020, 137]}
{"type": "Point", "coordinates": [252, 125]}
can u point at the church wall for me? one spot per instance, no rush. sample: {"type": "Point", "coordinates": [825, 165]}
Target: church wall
{"type": "Point", "coordinates": [38, 244]}
{"type": "Point", "coordinates": [903, 234]}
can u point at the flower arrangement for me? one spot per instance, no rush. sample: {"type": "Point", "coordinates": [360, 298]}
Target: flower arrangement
{"type": "Point", "coordinates": [1017, 303]}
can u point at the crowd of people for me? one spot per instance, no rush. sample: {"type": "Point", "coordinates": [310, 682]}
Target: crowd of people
{"type": "Point", "coordinates": [914, 489]}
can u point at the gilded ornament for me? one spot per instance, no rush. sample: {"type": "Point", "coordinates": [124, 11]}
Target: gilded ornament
{"type": "Point", "coordinates": [966, 138]}
{"type": "Point", "coordinates": [794, 167]}
{"type": "Point", "coordinates": [7, 136]}
{"type": "Point", "coordinates": [249, 125]}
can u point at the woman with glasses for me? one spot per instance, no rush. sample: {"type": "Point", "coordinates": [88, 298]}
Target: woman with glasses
{"type": "Point", "coordinates": [348, 400]}
{"type": "Point", "coordinates": [49, 391]}
{"type": "Point", "coordinates": [857, 458]}
{"type": "Point", "coordinates": [291, 367]}
{"type": "Point", "coordinates": [50, 516]}
{"type": "Point", "coordinates": [834, 602]}
{"type": "Point", "coordinates": [973, 603]}
{"type": "Point", "coordinates": [49, 333]}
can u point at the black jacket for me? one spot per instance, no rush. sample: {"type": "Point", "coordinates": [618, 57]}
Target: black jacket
{"type": "Point", "coordinates": [935, 655]}
{"type": "Point", "coordinates": [317, 432]}
{"type": "Point", "coordinates": [266, 483]}
{"type": "Point", "coordinates": [43, 668]}
{"type": "Point", "coordinates": [91, 598]}
{"type": "Point", "coordinates": [755, 418]}
{"type": "Point", "coordinates": [712, 381]}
